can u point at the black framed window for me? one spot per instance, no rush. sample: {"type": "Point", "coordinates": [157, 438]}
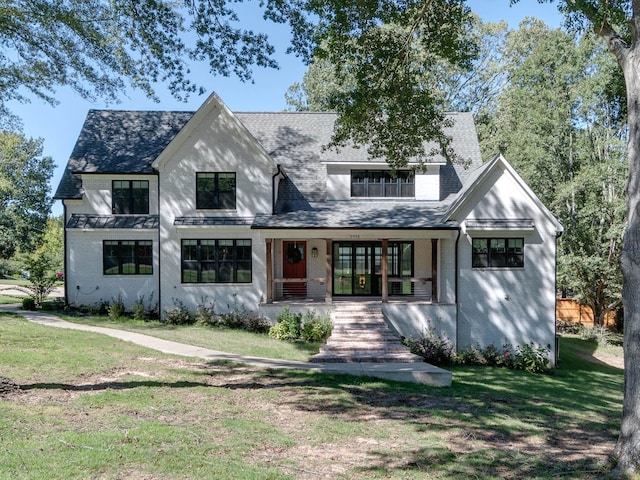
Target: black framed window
{"type": "Point", "coordinates": [382, 183]}
{"type": "Point", "coordinates": [497, 252]}
{"type": "Point", "coordinates": [127, 257]}
{"type": "Point", "coordinates": [130, 196]}
{"type": "Point", "coordinates": [216, 261]}
{"type": "Point", "coordinates": [215, 190]}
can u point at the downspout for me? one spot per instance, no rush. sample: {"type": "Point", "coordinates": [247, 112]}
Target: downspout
{"type": "Point", "coordinates": [159, 253]}
{"type": "Point", "coordinates": [455, 288]}
{"type": "Point", "coordinates": [66, 256]}
{"type": "Point", "coordinates": [555, 310]}
{"type": "Point", "coordinates": [273, 188]}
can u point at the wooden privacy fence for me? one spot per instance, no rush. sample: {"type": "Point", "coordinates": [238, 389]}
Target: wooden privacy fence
{"type": "Point", "coordinates": [568, 310]}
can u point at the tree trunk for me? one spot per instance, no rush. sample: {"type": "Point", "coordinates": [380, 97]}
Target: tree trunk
{"type": "Point", "coordinates": [627, 449]}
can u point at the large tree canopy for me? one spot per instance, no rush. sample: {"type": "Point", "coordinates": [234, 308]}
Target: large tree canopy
{"type": "Point", "coordinates": [24, 192]}
{"type": "Point", "coordinates": [93, 45]}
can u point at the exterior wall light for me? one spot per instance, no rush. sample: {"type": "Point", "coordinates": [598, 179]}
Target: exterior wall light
{"type": "Point", "coordinates": [314, 252]}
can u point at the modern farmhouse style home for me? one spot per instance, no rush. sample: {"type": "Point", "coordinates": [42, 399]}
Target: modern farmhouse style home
{"type": "Point", "coordinates": [250, 208]}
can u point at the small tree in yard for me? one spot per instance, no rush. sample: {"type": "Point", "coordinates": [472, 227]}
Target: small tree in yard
{"type": "Point", "coordinates": [41, 277]}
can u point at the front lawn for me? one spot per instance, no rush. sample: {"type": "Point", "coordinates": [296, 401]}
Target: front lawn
{"type": "Point", "coordinates": [215, 338]}
{"type": "Point", "coordinates": [90, 406]}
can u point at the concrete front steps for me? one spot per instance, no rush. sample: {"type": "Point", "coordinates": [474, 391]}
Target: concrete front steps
{"type": "Point", "coordinates": [361, 340]}
{"type": "Point", "coordinates": [360, 334]}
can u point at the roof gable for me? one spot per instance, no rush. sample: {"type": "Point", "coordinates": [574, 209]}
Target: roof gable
{"type": "Point", "coordinates": [213, 104]}
{"type": "Point", "coordinates": [481, 176]}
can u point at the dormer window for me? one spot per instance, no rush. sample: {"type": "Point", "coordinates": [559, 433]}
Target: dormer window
{"type": "Point", "coordinates": [382, 183]}
{"type": "Point", "coordinates": [216, 191]}
{"type": "Point", "coordinates": [130, 196]}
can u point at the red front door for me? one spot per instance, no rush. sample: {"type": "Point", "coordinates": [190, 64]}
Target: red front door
{"type": "Point", "coordinates": [294, 265]}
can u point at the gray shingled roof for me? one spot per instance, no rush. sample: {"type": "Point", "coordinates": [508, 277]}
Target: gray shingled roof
{"type": "Point", "coordinates": [128, 142]}
{"type": "Point", "coordinates": [354, 214]}
{"type": "Point", "coordinates": [116, 141]}
{"type": "Point", "coordinates": [295, 140]}
{"type": "Point", "coordinates": [142, 222]}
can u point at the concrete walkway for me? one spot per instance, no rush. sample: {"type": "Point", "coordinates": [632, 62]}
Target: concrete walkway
{"type": "Point", "coordinates": [423, 373]}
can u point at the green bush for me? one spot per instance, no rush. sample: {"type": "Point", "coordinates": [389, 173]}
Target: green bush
{"type": "Point", "coordinates": [316, 329]}
{"type": "Point", "coordinates": [28, 303]}
{"type": "Point", "coordinates": [292, 326]}
{"type": "Point", "coordinates": [139, 312]}
{"type": "Point", "coordinates": [288, 326]}
{"type": "Point", "coordinates": [206, 313]}
{"type": "Point", "coordinates": [532, 359]}
{"type": "Point", "coordinates": [116, 308]}
{"type": "Point", "coordinates": [178, 314]}
{"type": "Point", "coordinates": [256, 324]}
{"type": "Point", "coordinates": [435, 349]}
{"type": "Point", "coordinates": [596, 334]}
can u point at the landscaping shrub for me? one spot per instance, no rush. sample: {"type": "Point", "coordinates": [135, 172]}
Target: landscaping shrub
{"type": "Point", "coordinates": [139, 312]}
{"type": "Point", "coordinates": [468, 356]}
{"type": "Point", "coordinates": [288, 326]}
{"type": "Point", "coordinates": [178, 314]}
{"type": "Point", "coordinates": [206, 313]}
{"type": "Point", "coordinates": [568, 327]}
{"type": "Point", "coordinates": [315, 329]}
{"type": "Point", "coordinates": [596, 334]}
{"type": "Point", "coordinates": [28, 303]}
{"type": "Point", "coordinates": [291, 326]}
{"type": "Point", "coordinates": [532, 359]}
{"type": "Point", "coordinates": [256, 324]}
{"type": "Point", "coordinates": [435, 349]}
{"type": "Point", "coordinates": [116, 308]}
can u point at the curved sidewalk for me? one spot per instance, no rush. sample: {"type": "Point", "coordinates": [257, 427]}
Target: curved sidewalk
{"type": "Point", "coordinates": [402, 372]}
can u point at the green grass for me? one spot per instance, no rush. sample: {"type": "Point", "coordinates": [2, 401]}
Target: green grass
{"type": "Point", "coordinates": [9, 299]}
{"type": "Point", "coordinates": [94, 407]}
{"type": "Point", "coordinates": [224, 339]}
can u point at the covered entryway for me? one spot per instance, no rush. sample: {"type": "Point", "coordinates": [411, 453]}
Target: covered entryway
{"type": "Point", "coordinates": [357, 268]}
{"type": "Point", "coordinates": [294, 267]}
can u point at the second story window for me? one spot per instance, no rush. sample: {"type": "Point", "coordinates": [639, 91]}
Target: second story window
{"type": "Point", "coordinates": [215, 191]}
{"type": "Point", "coordinates": [382, 183]}
{"type": "Point", "coordinates": [130, 196]}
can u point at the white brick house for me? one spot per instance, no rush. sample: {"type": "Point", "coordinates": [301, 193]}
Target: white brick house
{"type": "Point", "coordinates": [250, 207]}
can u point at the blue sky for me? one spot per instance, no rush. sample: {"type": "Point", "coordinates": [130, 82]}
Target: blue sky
{"type": "Point", "coordinates": [60, 125]}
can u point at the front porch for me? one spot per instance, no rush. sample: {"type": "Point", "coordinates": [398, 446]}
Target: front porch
{"type": "Point", "coordinates": [327, 270]}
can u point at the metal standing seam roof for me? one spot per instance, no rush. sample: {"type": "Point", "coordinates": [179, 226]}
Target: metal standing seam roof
{"type": "Point", "coordinates": [209, 221]}
{"type": "Point", "coordinates": [135, 222]}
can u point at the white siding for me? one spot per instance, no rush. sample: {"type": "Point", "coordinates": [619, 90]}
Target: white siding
{"type": "Point", "coordinates": [217, 144]}
{"type": "Point", "coordinates": [427, 184]}
{"type": "Point", "coordinates": [507, 305]}
{"type": "Point", "coordinates": [86, 282]}
{"type": "Point", "coordinates": [97, 199]}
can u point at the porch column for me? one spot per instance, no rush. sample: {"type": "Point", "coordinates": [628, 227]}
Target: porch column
{"type": "Point", "coordinates": [269, 266]}
{"type": "Point", "coordinates": [328, 273]}
{"type": "Point", "coordinates": [434, 270]}
{"type": "Point", "coordinates": [385, 270]}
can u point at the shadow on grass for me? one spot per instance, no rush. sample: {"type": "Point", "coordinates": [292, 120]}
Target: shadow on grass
{"type": "Point", "coordinates": [492, 422]}
{"type": "Point", "coordinates": [94, 387]}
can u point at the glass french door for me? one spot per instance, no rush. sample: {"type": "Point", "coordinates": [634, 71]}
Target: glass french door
{"type": "Point", "coordinates": [357, 268]}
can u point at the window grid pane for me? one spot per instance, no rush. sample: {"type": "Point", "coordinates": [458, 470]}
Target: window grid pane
{"type": "Point", "coordinates": [382, 183]}
{"type": "Point", "coordinates": [127, 257]}
{"type": "Point", "coordinates": [497, 252]}
{"type": "Point", "coordinates": [215, 190]}
{"type": "Point", "coordinates": [216, 261]}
